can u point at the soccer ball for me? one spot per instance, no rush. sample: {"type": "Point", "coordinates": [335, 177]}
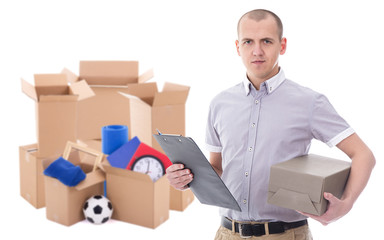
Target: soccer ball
{"type": "Point", "coordinates": [97, 209]}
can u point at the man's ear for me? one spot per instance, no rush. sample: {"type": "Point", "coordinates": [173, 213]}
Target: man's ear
{"type": "Point", "coordinates": [237, 47]}
{"type": "Point", "coordinates": [283, 43]}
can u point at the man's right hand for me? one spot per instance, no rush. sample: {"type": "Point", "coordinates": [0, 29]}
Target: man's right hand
{"type": "Point", "coordinates": [178, 176]}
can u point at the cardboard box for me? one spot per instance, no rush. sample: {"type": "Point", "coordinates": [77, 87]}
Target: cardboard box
{"type": "Point", "coordinates": [136, 199]}
{"type": "Point", "coordinates": [64, 204]}
{"type": "Point", "coordinates": [56, 110]}
{"type": "Point", "coordinates": [300, 183]}
{"type": "Point", "coordinates": [31, 175]}
{"type": "Point", "coordinates": [108, 107]}
{"type": "Point", "coordinates": [123, 98]}
{"type": "Point", "coordinates": [180, 200]}
{"type": "Point", "coordinates": [152, 110]}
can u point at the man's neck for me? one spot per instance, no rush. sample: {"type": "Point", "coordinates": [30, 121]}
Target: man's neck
{"type": "Point", "coordinates": [256, 82]}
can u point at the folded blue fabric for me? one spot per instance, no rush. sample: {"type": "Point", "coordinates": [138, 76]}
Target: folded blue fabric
{"type": "Point", "coordinates": [65, 172]}
{"type": "Point", "coordinates": [122, 156]}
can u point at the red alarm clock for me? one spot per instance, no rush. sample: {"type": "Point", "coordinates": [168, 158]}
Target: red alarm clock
{"type": "Point", "coordinates": [149, 161]}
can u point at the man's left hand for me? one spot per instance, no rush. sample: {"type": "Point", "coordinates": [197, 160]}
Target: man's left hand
{"type": "Point", "coordinates": [336, 209]}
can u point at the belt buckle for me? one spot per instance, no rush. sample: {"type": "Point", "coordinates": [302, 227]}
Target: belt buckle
{"type": "Point", "coordinates": [241, 228]}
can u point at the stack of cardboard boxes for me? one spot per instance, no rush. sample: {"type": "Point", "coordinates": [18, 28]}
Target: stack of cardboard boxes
{"type": "Point", "coordinates": [72, 107]}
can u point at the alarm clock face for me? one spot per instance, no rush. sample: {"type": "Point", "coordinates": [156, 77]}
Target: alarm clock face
{"type": "Point", "coordinates": [149, 165]}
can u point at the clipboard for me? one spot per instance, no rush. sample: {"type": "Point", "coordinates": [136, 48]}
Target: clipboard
{"type": "Point", "coordinates": [206, 185]}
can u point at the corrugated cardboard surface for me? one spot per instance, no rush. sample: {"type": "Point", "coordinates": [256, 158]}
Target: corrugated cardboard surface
{"type": "Point", "coordinates": [109, 72]}
{"type": "Point", "coordinates": [56, 110]}
{"type": "Point", "coordinates": [300, 183]}
{"type": "Point", "coordinates": [64, 204]}
{"type": "Point", "coordinates": [31, 176]}
{"type": "Point", "coordinates": [56, 124]}
{"type": "Point", "coordinates": [180, 200]}
{"type": "Point", "coordinates": [150, 109]}
{"type": "Point", "coordinates": [108, 107]}
{"type": "Point", "coordinates": [136, 198]}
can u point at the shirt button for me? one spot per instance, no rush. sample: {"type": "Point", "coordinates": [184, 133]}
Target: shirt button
{"type": "Point", "coordinates": [245, 201]}
{"type": "Point", "coordinates": [257, 101]}
{"type": "Point", "coordinates": [253, 125]}
{"type": "Point", "coordinates": [250, 149]}
{"type": "Point", "coordinates": [246, 174]}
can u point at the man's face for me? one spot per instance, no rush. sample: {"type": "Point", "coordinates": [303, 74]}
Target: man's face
{"type": "Point", "coordinates": [259, 47]}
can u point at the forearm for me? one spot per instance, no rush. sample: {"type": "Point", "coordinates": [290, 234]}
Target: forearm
{"type": "Point", "coordinates": [218, 171]}
{"type": "Point", "coordinates": [215, 160]}
{"type": "Point", "coordinates": [362, 165]}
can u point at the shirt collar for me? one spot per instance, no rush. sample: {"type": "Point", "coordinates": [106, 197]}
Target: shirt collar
{"type": "Point", "coordinates": [271, 84]}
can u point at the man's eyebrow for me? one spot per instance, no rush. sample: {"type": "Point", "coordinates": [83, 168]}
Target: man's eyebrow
{"type": "Point", "coordinates": [267, 38]}
{"type": "Point", "coordinates": [246, 39]}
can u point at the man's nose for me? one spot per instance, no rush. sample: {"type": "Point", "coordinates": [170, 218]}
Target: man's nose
{"type": "Point", "coordinates": [257, 50]}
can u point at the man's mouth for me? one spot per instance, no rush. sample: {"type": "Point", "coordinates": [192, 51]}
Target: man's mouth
{"type": "Point", "coordinates": [258, 61]}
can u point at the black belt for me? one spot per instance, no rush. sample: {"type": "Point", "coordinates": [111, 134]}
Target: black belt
{"type": "Point", "coordinates": [247, 230]}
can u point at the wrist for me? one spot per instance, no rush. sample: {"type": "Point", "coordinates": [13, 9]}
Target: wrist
{"type": "Point", "coordinates": [348, 202]}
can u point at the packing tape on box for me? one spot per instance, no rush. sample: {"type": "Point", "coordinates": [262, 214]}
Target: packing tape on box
{"type": "Point", "coordinates": [113, 137]}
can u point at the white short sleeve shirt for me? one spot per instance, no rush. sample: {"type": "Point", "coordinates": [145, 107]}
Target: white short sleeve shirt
{"type": "Point", "coordinates": [254, 129]}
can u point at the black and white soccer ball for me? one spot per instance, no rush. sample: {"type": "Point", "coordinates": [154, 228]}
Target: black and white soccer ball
{"type": "Point", "coordinates": [97, 209]}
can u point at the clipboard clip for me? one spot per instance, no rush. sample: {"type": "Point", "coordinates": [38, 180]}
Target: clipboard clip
{"type": "Point", "coordinates": [160, 134]}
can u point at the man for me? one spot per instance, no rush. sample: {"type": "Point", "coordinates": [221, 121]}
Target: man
{"type": "Point", "coordinates": [268, 119]}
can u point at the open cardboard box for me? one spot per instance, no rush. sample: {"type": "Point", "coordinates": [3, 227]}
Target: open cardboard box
{"type": "Point", "coordinates": [108, 107]}
{"type": "Point", "coordinates": [300, 183]}
{"type": "Point", "coordinates": [124, 98]}
{"type": "Point", "coordinates": [63, 203]}
{"type": "Point", "coordinates": [136, 198]}
{"type": "Point", "coordinates": [178, 200]}
{"type": "Point", "coordinates": [56, 110]}
{"type": "Point", "coordinates": [152, 110]}
{"type": "Point", "coordinates": [31, 175]}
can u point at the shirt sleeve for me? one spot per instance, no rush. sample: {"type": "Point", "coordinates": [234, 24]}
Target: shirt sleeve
{"type": "Point", "coordinates": [326, 124]}
{"type": "Point", "coordinates": [212, 140]}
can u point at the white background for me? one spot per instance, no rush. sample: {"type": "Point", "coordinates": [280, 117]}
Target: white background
{"type": "Point", "coordinates": [334, 47]}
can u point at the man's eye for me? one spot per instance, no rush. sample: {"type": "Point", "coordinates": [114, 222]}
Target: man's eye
{"type": "Point", "coordinates": [267, 41]}
{"type": "Point", "coordinates": [247, 42]}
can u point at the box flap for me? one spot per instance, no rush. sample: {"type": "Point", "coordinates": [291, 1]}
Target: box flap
{"type": "Point", "coordinates": [28, 89]}
{"type": "Point", "coordinates": [82, 89]}
{"type": "Point", "coordinates": [126, 173]}
{"type": "Point", "coordinates": [133, 98]}
{"type": "Point", "coordinates": [172, 94]}
{"type": "Point", "coordinates": [109, 72]}
{"type": "Point", "coordinates": [143, 90]}
{"type": "Point", "coordinates": [146, 76]}
{"type": "Point", "coordinates": [58, 98]}
{"type": "Point", "coordinates": [170, 98]}
{"type": "Point", "coordinates": [296, 181]}
{"type": "Point", "coordinates": [305, 174]}
{"type": "Point", "coordinates": [54, 79]}
{"type": "Point", "coordinates": [292, 199]}
{"type": "Point", "coordinates": [174, 87]}
{"type": "Point", "coordinates": [51, 84]}
{"type": "Point", "coordinates": [71, 77]}
{"type": "Point", "coordinates": [92, 178]}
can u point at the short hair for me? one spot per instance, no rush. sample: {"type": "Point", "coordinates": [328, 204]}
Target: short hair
{"type": "Point", "coordinates": [260, 14]}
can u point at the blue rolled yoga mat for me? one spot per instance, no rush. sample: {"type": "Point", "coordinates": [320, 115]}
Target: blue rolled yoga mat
{"type": "Point", "coordinates": [113, 137]}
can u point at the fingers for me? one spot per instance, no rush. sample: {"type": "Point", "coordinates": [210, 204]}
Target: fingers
{"type": "Point", "coordinates": [178, 176]}
{"type": "Point", "coordinates": [315, 217]}
{"type": "Point", "coordinates": [330, 197]}
{"type": "Point", "coordinates": [333, 213]}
